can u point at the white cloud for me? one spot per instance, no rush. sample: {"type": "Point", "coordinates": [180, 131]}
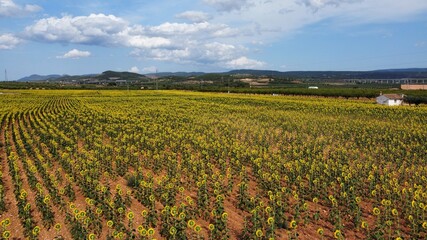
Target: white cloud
{"type": "Point", "coordinates": [10, 9]}
{"type": "Point", "coordinates": [9, 41]}
{"type": "Point", "coordinates": [109, 30]}
{"type": "Point", "coordinates": [214, 54]}
{"type": "Point", "coordinates": [96, 29]}
{"type": "Point", "coordinates": [164, 54]}
{"type": "Point", "coordinates": [199, 43]}
{"type": "Point", "coordinates": [268, 21]}
{"type": "Point", "coordinates": [75, 54]}
{"type": "Point", "coordinates": [284, 67]}
{"type": "Point", "coordinates": [245, 63]}
{"type": "Point", "coordinates": [198, 52]}
{"type": "Point", "coordinates": [317, 4]}
{"type": "Point", "coordinates": [220, 52]}
{"type": "Point", "coordinates": [379, 11]}
{"type": "Point", "coordinates": [200, 30]}
{"type": "Point", "coordinates": [134, 69]}
{"type": "Point", "coordinates": [151, 69]}
{"type": "Point", "coordinates": [194, 16]}
{"type": "Point", "coordinates": [227, 5]}
{"type": "Point", "coordinates": [139, 41]}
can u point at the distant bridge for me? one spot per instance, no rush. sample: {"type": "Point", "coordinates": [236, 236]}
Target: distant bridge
{"type": "Point", "coordinates": [389, 81]}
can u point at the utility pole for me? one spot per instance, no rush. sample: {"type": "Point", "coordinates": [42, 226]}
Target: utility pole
{"type": "Point", "coordinates": [228, 84]}
{"type": "Point", "coordinates": [157, 80]}
{"type": "Point", "coordinates": [5, 75]}
{"type": "Point", "coordinates": [127, 83]}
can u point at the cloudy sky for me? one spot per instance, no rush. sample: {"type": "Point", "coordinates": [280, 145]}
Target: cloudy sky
{"type": "Point", "coordinates": [81, 37]}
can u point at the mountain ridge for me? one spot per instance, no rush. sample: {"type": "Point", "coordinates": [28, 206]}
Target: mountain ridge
{"type": "Point", "coordinates": [381, 73]}
{"type": "Point", "coordinates": [36, 77]}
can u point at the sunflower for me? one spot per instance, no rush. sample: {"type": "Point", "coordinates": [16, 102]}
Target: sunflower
{"type": "Point", "coordinates": [172, 231]}
{"type": "Point", "coordinates": [130, 215]}
{"type": "Point", "coordinates": [72, 206]}
{"type": "Point", "coordinates": [150, 232]}
{"type": "Point", "coordinates": [174, 211]}
{"type": "Point", "coordinates": [383, 202]}
{"type": "Point", "coordinates": [376, 211]}
{"type": "Point", "coordinates": [143, 232]}
{"type": "Point", "coordinates": [358, 199]}
{"type": "Point", "coordinates": [27, 207]}
{"type": "Point", "coordinates": [36, 231]}
{"type": "Point", "coordinates": [5, 222]}
{"type": "Point", "coordinates": [191, 223]}
{"type": "Point", "coordinates": [364, 224]}
{"type": "Point", "coordinates": [91, 237]}
{"type": "Point", "coordinates": [197, 228]}
{"type": "Point", "coordinates": [293, 224]}
{"type": "Point", "coordinates": [110, 223]}
{"type": "Point", "coordinates": [144, 213]}
{"type": "Point", "coordinates": [394, 212]}
{"type": "Point", "coordinates": [6, 235]}
{"type": "Point", "coordinates": [98, 211]}
{"type": "Point", "coordinates": [120, 210]}
{"type": "Point", "coordinates": [337, 234]}
{"type": "Point", "coordinates": [57, 227]}
{"type": "Point", "coordinates": [259, 233]}
{"type": "Point", "coordinates": [270, 221]}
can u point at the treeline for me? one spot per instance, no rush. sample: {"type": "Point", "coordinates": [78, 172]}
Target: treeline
{"type": "Point", "coordinates": [327, 92]}
{"type": "Point", "coordinates": [417, 100]}
{"type": "Point", "coordinates": [411, 97]}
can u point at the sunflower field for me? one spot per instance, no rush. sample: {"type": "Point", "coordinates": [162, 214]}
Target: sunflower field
{"type": "Point", "coordinates": [87, 164]}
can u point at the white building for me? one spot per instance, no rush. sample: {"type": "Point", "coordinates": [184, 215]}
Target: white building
{"type": "Point", "coordinates": [390, 99]}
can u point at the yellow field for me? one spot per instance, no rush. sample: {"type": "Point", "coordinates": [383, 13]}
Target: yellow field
{"type": "Point", "coordinates": [185, 165]}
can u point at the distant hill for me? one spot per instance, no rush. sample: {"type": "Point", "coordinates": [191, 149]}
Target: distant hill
{"type": "Point", "coordinates": [417, 70]}
{"type": "Point", "coordinates": [112, 75]}
{"type": "Point", "coordinates": [36, 77]}
{"type": "Point", "coordinates": [376, 74]}
{"type": "Point", "coordinates": [255, 72]}
{"type": "Point", "coordinates": [175, 74]}
{"type": "Point", "coordinates": [107, 75]}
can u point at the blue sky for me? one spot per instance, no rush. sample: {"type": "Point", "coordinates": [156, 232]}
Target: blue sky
{"type": "Point", "coordinates": [82, 37]}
